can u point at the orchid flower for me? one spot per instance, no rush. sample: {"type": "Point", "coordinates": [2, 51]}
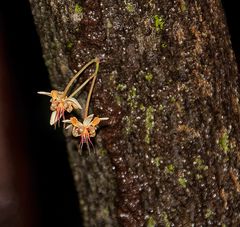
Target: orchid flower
{"type": "Point", "coordinates": [85, 129]}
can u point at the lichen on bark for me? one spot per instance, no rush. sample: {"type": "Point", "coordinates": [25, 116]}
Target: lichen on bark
{"type": "Point", "coordinates": [168, 81]}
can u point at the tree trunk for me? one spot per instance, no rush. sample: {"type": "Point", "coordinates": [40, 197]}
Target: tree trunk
{"type": "Point", "coordinates": [168, 81]}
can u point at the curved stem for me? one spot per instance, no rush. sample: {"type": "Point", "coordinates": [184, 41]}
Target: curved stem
{"type": "Point", "coordinates": [76, 75]}
{"type": "Point", "coordinates": [82, 85]}
{"type": "Point", "coordinates": [91, 88]}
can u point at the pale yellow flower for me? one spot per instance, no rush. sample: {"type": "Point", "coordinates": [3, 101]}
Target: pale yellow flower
{"type": "Point", "coordinates": [59, 104]}
{"type": "Point", "coordinates": [86, 129]}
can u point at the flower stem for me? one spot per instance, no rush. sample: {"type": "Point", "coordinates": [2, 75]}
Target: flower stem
{"type": "Point", "coordinates": [91, 88]}
{"type": "Point", "coordinates": [82, 85]}
{"type": "Point", "coordinates": [76, 75]}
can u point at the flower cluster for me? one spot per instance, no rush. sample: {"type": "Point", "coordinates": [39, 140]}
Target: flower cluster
{"type": "Point", "coordinates": [60, 103]}
{"type": "Point", "coordinates": [86, 129]}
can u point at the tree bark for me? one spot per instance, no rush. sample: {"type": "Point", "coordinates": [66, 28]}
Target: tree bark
{"type": "Point", "coordinates": [168, 81]}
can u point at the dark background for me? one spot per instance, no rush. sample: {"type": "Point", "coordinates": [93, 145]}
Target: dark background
{"type": "Point", "coordinates": [55, 199]}
{"type": "Point", "coordinates": [56, 202]}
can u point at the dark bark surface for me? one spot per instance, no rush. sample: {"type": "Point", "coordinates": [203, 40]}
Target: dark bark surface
{"type": "Point", "coordinates": [168, 81]}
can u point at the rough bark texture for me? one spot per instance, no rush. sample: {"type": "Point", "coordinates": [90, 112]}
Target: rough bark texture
{"type": "Point", "coordinates": [169, 83]}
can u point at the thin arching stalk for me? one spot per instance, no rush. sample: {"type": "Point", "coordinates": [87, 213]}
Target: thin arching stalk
{"type": "Point", "coordinates": [79, 72]}
{"type": "Point", "coordinates": [91, 88]}
{"type": "Point", "coordinates": [82, 85]}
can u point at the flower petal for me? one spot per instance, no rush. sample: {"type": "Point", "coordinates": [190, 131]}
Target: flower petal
{"type": "Point", "coordinates": [69, 126]}
{"type": "Point", "coordinates": [55, 94]}
{"type": "Point", "coordinates": [95, 121]}
{"type": "Point", "coordinates": [75, 122]}
{"type": "Point", "coordinates": [87, 120]}
{"type": "Point", "coordinates": [67, 121]}
{"type": "Point", "coordinates": [53, 118]}
{"type": "Point", "coordinates": [44, 93]}
{"type": "Point", "coordinates": [75, 102]}
{"type": "Point", "coordinates": [104, 118]}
